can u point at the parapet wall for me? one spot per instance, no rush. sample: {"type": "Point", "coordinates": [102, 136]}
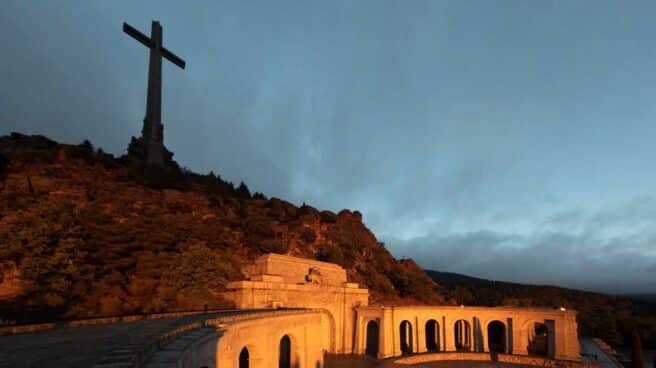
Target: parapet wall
{"type": "Point", "coordinates": [294, 270]}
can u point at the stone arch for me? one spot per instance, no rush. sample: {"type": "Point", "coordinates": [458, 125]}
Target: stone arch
{"type": "Point", "coordinates": [244, 358]}
{"type": "Point", "coordinates": [285, 352]}
{"type": "Point", "coordinates": [432, 332]}
{"type": "Point", "coordinates": [226, 355]}
{"type": "Point", "coordinates": [405, 337]}
{"type": "Point", "coordinates": [497, 336]}
{"type": "Point", "coordinates": [372, 342]}
{"type": "Point", "coordinates": [540, 338]}
{"type": "Point", "coordinates": [462, 333]}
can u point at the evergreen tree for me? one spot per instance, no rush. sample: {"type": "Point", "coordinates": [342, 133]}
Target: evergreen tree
{"type": "Point", "coordinates": [86, 145]}
{"type": "Point", "coordinates": [243, 191]}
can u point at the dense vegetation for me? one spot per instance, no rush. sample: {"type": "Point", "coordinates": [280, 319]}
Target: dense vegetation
{"type": "Point", "coordinates": [613, 318]}
{"type": "Point", "coordinates": [83, 234]}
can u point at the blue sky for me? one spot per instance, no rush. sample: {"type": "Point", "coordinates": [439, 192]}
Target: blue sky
{"type": "Point", "coordinates": [511, 139]}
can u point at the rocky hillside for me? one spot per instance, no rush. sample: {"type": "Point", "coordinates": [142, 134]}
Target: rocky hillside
{"type": "Point", "coordinates": [85, 234]}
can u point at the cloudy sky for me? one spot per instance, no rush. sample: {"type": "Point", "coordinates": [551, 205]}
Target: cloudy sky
{"type": "Point", "coordinates": [511, 140]}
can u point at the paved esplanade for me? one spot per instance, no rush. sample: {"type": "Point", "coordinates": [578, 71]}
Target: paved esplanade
{"type": "Point", "coordinates": [591, 348]}
{"type": "Point", "coordinates": [81, 347]}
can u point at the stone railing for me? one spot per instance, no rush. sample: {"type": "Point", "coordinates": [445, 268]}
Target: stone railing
{"type": "Point", "coordinates": [217, 322]}
{"type": "Point", "coordinates": [19, 329]}
{"type": "Point", "coordinates": [524, 360]}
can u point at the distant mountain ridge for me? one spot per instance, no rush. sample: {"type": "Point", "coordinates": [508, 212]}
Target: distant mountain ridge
{"type": "Point", "coordinates": [610, 317]}
{"type": "Point", "coordinates": [651, 298]}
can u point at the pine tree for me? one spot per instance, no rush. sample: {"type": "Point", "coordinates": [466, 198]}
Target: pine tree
{"type": "Point", "coordinates": [243, 191]}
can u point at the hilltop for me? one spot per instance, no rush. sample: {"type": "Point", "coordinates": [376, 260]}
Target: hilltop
{"type": "Point", "coordinates": [86, 234]}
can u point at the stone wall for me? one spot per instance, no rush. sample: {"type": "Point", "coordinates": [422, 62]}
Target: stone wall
{"type": "Point", "coordinates": [286, 286]}
{"type": "Point", "coordinates": [283, 281]}
{"type": "Point", "coordinates": [309, 333]}
{"type": "Point", "coordinates": [518, 324]}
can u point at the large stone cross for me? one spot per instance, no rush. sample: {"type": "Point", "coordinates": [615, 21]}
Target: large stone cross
{"type": "Point", "coordinates": [152, 132]}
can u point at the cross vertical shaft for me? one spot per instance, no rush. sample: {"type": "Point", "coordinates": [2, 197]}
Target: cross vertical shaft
{"type": "Point", "coordinates": [152, 133]}
{"type": "Point", "coordinates": [153, 130]}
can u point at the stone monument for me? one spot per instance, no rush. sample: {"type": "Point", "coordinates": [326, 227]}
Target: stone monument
{"type": "Point", "coordinates": [152, 133]}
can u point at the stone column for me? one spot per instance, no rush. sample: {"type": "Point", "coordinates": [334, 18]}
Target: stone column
{"type": "Point", "coordinates": [567, 343]}
{"type": "Point", "coordinates": [360, 335]}
{"type": "Point", "coordinates": [509, 336]}
{"type": "Point", "coordinates": [449, 336]}
{"type": "Point", "coordinates": [472, 336]}
{"type": "Point", "coordinates": [520, 337]}
{"type": "Point", "coordinates": [443, 334]}
{"type": "Point", "coordinates": [421, 337]}
{"type": "Point", "coordinates": [552, 338]}
{"type": "Point", "coordinates": [388, 334]}
{"type": "Point", "coordinates": [484, 336]}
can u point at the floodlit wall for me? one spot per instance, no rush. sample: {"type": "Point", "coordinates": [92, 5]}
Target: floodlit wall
{"type": "Point", "coordinates": [290, 282]}
{"type": "Point", "coordinates": [560, 338]}
{"type": "Point", "coordinates": [308, 333]}
{"type": "Point", "coordinates": [283, 281]}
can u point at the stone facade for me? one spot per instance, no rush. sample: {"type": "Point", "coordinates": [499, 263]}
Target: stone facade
{"type": "Point", "coordinates": [282, 281]}
{"type": "Point", "coordinates": [349, 325]}
{"type": "Point", "coordinates": [518, 330]}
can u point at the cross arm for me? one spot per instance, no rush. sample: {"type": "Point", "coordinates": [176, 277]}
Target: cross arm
{"type": "Point", "coordinates": [173, 58]}
{"type": "Point", "coordinates": [137, 35]}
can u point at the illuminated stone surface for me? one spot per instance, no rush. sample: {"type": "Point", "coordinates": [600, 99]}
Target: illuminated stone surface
{"type": "Point", "coordinates": [283, 281]}
{"type": "Point", "coordinates": [331, 316]}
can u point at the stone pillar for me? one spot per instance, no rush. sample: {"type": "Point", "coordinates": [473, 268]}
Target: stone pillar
{"type": "Point", "coordinates": [443, 335]}
{"type": "Point", "coordinates": [566, 339]}
{"type": "Point", "coordinates": [388, 334]}
{"type": "Point", "coordinates": [360, 336]}
{"type": "Point", "coordinates": [421, 337]}
{"type": "Point", "coordinates": [484, 337]}
{"type": "Point", "coordinates": [472, 337]}
{"type": "Point", "coordinates": [478, 332]}
{"type": "Point", "coordinates": [551, 338]}
{"type": "Point", "coordinates": [509, 336]}
{"type": "Point", "coordinates": [520, 338]}
{"type": "Point", "coordinates": [449, 336]}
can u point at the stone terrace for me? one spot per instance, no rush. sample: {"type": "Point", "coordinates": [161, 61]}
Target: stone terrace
{"type": "Point", "coordinates": [84, 346]}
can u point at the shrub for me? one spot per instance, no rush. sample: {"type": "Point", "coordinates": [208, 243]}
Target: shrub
{"type": "Point", "coordinates": [308, 235]}
{"type": "Point", "coordinates": [328, 217]}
